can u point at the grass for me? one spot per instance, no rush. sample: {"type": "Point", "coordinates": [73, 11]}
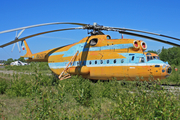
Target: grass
{"type": "Point", "coordinates": [42, 66]}
{"type": "Point", "coordinates": [39, 96]}
{"type": "Point", "coordinates": [12, 107]}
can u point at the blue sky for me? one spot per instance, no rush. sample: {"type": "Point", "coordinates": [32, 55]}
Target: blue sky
{"type": "Point", "coordinates": [158, 16]}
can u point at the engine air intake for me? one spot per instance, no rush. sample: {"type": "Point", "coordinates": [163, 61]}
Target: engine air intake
{"type": "Point", "coordinates": [143, 45]}
{"type": "Point", "coordinates": [135, 44]}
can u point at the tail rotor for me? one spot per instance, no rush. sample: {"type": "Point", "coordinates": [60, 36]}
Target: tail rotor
{"type": "Point", "coordinates": [16, 38]}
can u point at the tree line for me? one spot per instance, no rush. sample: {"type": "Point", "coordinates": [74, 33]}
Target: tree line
{"type": "Point", "coordinates": [8, 61]}
{"type": "Point", "coordinates": [170, 55]}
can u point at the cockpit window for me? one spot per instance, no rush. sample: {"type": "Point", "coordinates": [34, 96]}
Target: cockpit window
{"type": "Point", "coordinates": [149, 58]}
{"type": "Point", "coordinates": [156, 57]}
{"type": "Point", "coordinates": [148, 54]}
{"type": "Point", "coordinates": [141, 59]}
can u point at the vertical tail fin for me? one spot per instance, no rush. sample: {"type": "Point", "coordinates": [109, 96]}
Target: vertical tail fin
{"type": "Point", "coordinates": [25, 49]}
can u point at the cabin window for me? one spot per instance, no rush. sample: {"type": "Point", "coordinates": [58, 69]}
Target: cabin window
{"type": "Point", "coordinates": [122, 61]}
{"type": "Point", "coordinates": [132, 58]}
{"type": "Point", "coordinates": [141, 59]}
{"type": "Point", "coordinates": [90, 62]}
{"type": "Point", "coordinates": [115, 61]}
{"type": "Point", "coordinates": [101, 61]}
{"type": "Point", "coordinates": [107, 61]}
{"type": "Point", "coordinates": [95, 62]}
{"type": "Point", "coordinates": [78, 63]}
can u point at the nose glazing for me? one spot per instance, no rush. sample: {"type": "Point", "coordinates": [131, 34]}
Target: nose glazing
{"type": "Point", "coordinates": [169, 70]}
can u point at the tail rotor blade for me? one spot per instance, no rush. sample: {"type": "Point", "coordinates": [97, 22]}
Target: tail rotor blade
{"type": "Point", "coordinates": [20, 39]}
{"type": "Point", "coordinates": [18, 47]}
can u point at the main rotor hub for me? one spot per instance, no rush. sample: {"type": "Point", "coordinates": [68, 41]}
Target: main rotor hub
{"type": "Point", "coordinates": [96, 29]}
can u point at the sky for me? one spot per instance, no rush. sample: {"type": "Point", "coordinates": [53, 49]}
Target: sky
{"type": "Point", "coordinates": [158, 16]}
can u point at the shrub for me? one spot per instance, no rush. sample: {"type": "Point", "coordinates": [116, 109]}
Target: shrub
{"type": "Point", "coordinates": [3, 86]}
{"type": "Point", "coordinates": [20, 87]}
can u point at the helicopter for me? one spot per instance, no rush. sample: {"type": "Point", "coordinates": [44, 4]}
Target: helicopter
{"type": "Point", "coordinates": [97, 56]}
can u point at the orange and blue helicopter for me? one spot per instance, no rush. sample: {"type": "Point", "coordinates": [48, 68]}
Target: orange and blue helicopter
{"type": "Point", "coordinates": [98, 57]}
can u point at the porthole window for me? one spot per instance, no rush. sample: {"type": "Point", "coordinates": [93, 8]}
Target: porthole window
{"type": "Point", "coordinates": [107, 61]}
{"type": "Point", "coordinates": [122, 61]}
{"type": "Point", "coordinates": [108, 37]}
{"type": "Point", "coordinates": [115, 61]}
{"type": "Point", "coordinates": [95, 62]}
{"type": "Point", "coordinates": [90, 62]}
{"type": "Point", "coordinates": [101, 61]}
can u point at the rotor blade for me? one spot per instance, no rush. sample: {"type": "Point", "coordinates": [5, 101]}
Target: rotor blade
{"type": "Point", "coordinates": [148, 37]}
{"type": "Point", "coordinates": [126, 29]}
{"type": "Point", "coordinates": [16, 40]}
{"type": "Point", "coordinates": [13, 47]}
{"type": "Point", "coordinates": [41, 25]}
{"type": "Point", "coordinates": [20, 33]}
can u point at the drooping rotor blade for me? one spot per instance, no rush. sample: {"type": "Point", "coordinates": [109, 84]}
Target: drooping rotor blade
{"type": "Point", "coordinates": [21, 28]}
{"type": "Point", "coordinates": [16, 40]}
{"type": "Point", "coordinates": [126, 29]}
{"type": "Point", "coordinates": [148, 37]}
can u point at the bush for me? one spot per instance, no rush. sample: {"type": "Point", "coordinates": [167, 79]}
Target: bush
{"type": "Point", "coordinates": [3, 86]}
{"type": "Point", "coordinates": [20, 87]}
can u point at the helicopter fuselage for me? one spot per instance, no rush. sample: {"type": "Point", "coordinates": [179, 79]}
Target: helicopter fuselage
{"type": "Point", "coordinates": [103, 58]}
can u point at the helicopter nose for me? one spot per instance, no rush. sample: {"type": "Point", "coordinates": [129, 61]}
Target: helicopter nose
{"type": "Point", "coordinates": [166, 70]}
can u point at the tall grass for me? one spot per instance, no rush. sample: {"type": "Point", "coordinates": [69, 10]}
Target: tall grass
{"type": "Point", "coordinates": [3, 86]}
{"type": "Point", "coordinates": [79, 98]}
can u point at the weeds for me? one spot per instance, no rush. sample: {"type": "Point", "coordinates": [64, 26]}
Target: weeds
{"type": "Point", "coordinates": [79, 98]}
{"type": "Point", "coordinates": [3, 86]}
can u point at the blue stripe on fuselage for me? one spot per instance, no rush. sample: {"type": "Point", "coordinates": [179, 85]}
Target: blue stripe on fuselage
{"type": "Point", "coordinates": [105, 64]}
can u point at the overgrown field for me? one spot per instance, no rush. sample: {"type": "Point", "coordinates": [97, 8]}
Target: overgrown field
{"type": "Point", "coordinates": [41, 96]}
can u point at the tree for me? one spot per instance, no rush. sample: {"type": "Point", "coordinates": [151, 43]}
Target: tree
{"type": "Point", "coordinates": [172, 55]}
{"type": "Point", "coordinates": [8, 62]}
{"type": "Point", "coordinates": [21, 59]}
{"type": "Point", "coordinates": [152, 51]}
